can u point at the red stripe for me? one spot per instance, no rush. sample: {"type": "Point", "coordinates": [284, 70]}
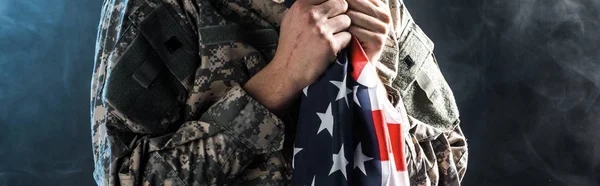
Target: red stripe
{"type": "Point", "coordinates": [358, 58]}
{"type": "Point", "coordinates": [397, 146]}
{"type": "Point", "coordinates": [379, 131]}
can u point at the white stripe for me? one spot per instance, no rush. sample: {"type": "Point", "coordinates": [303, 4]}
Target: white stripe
{"type": "Point", "coordinates": [368, 77]}
{"type": "Point", "coordinates": [399, 178]}
{"type": "Point", "coordinates": [373, 99]}
{"type": "Point", "coordinates": [385, 173]}
{"type": "Point", "coordinates": [378, 98]}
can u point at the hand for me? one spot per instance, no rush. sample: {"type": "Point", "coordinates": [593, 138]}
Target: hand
{"type": "Point", "coordinates": [370, 23]}
{"type": "Point", "coordinates": [312, 33]}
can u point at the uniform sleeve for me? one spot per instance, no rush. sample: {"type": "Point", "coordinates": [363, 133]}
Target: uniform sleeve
{"type": "Point", "coordinates": [211, 151]}
{"type": "Point", "coordinates": [460, 153]}
{"type": "Point", "coordinates": [435, 157]}
{"type": "Point", "coordinates": [436, 147]}
{"type": "Point", "coordinates": [211, 145]}
{"type": "Point", "coordinates": [247, 120]}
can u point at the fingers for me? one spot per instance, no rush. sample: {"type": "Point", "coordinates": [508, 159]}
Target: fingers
{"type": "Point", "coordinates": [337, 24]}
{"type": "Point", "coordinates": [373, 8]}
{"type": "Point", "coordinates": [365, 21]}
{"type": "Point", "coordinates": [332, 8]}
{"type": "Point", "coordinates": [341, 40]}
{"type": "Point", "coordinates": [365, 35]}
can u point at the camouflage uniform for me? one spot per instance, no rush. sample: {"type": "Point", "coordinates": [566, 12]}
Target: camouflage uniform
{"type": "Point", "coordinates": [168, 107]}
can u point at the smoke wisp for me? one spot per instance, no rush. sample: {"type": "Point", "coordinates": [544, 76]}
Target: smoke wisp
{"type": "Point", "coordinates": [526, 74]}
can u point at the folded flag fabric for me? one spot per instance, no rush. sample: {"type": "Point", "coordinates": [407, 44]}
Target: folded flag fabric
{"type": "Point", "coordinates": [348, 132]}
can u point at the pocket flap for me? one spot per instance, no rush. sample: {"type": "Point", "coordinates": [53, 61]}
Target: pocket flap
{"type": "Point", "coordinates": [141, 89]}
{"type": "Point", "coordinates": [414, 51]}
{"type": "Point", "coordinates": [173, 42]}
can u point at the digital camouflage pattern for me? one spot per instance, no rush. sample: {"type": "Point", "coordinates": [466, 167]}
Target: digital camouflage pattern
{"type": "Point", "coordinates": [168, 108]}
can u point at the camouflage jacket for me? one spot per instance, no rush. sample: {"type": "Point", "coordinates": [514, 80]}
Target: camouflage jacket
{"type": "Point", "coordinates": [168, 108]}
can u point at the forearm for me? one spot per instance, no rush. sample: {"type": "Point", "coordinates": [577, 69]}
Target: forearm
{"type": "Point", "coordinates": [273, 87]}
{"type": "Point", "coordinates": [212, 150]}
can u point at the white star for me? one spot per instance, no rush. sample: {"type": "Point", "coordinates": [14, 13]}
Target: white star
{"type": "Point", "coordinates": [326, 121]}
{"type": "Point", "coordinates": [343, 90]}
{"type": "Point", "coordinates": [360, 158]}
{"type": "Point", "coordinates": [355, 95]}
{"type": "Point", "coordinates": [305, 90]}
{"type": "Point", "coordinates": [339, 162]}
{"type": "Point", "coordinates": [296, 151]}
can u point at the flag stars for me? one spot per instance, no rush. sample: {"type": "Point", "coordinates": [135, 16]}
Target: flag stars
{"type": "Point", "coordinates": [360, 158]}
{"type": "Point", "coordinates": [296, 151]}
{"type": "Point", "coordinates": [355, 95]}
{"type": "Point", "coordinates": [339, 163]}
{"type": "Point", "coordinates": [326, 121]}
{"type": "Point", "coordinates": [343, 90]}
{"type": "Point", "coordinates": [305, 90]}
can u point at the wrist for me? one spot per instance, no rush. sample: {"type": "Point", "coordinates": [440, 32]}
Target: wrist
{"type": "Point", "coordinates": [281, 73]}
{"type": "Point", "coordinates": [273, 87]}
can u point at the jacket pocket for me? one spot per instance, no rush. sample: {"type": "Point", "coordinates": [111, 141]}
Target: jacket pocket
{"type": "Point", "coordinates": [425, 92]}
{"type": "Point", "coordinates": [149, 82]}
{"type": "Point", "coordinates": [141, 89]}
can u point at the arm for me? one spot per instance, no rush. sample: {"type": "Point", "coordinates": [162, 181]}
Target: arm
{"type": "Point", "coordinates": [437, 147]}
{"type": "Point", "coordinates": [460, 154]}
{"type": "Point", "coordinates": [215, 145]}
{"type": "Point", "coordinates": [436, 157]}
{"type": "Point", "coordinates": [311, 35]}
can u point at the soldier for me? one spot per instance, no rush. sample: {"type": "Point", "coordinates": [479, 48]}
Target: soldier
{"type": "Point", "coordinates": [201, 92]}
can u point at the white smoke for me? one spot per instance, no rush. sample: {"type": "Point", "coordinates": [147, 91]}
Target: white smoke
{"type": "Point", "coordinates": [554, 50]}
{"type": "Point", "coordinates": [526, 75]}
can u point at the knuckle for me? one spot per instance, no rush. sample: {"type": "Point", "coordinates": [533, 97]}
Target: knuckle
{"type": "Point", "coordinates": [379, 42]}
{"type": "Point", "coordinates": [313, 15]}
{"type": "Point", "coordinates": [382, 39]}
{"type": "Point", "coordinates": [321, 30]}
{"type": "Point", "coordinates": [379, 47]}
{"type": "Point", "coordinates": [385, 17]}
{"type": "Point", "coordinates": [382, 29]}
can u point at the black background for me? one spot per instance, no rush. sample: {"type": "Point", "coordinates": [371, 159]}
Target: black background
{"type": "Point", "coordinates": [525, 74]}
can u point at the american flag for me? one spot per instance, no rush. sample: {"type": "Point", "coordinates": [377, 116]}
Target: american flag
{"type": "Point", "coordinates": [348, 132]}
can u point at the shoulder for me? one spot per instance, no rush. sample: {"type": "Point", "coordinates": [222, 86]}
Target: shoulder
{"type": "Point", "coordinates": [425, 92]}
